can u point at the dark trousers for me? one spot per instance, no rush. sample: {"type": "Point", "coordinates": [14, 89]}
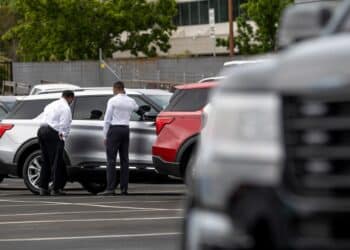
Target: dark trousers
{"type": "Point", "coordinates": [53, 168]}
{"type": "Point", "coordinates": [118, 141]}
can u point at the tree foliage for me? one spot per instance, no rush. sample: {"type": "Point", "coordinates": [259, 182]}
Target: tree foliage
{"type": "Point", "coordinates": [76, 29]}
{"type": "Point", "coordinates": [8, 19]}
{"type": "Point", "coordinates": [258, 24]}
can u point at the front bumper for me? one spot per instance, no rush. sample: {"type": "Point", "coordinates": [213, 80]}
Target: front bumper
{"type": "Point", "coordinates": [289, 221]}
{"type": "Point", "coordinates": [317, 222]}
{"type": "Point", "coordinates": [206, 229]}
{"type": "Point", "coordinates": [167, 168]}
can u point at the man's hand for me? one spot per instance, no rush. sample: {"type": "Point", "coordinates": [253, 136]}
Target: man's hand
{"type": "Point", "coordinates": [61, 137]}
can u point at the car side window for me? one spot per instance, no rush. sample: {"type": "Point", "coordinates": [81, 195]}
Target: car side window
{"type": "Point", "coordinates": [188, 100]}
{"type": "Point", "coordinates": [28, 109]}
{"type": "Point", "coordinates": [3, 112]}
{"type": "Point", "coordinates": [90, 107]}
{"type": "Point", "coordinates": [140, 102]}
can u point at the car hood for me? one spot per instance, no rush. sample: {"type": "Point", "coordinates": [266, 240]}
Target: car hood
{"type": "Point", "coordinates": [320, 65]}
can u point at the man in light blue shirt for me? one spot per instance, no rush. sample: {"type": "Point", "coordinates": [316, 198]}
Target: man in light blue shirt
{"type": "Point", "coordinates": [117, 135]}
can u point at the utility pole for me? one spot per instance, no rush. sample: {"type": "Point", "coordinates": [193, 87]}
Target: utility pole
{"type": "Point", "coordinates": [231, 34]}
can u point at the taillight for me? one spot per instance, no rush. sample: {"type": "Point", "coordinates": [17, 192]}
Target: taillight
{"type": "Point", "coordinates": [161, 122]}
{"type": "Point", "coordinates": [4, 128]}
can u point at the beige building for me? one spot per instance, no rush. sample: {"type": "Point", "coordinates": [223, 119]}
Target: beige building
{"type": "Point", "coordinates": [195, 35]}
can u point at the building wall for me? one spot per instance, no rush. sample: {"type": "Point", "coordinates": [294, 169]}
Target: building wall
{"type": "Point", "coordinates": [195, 39]}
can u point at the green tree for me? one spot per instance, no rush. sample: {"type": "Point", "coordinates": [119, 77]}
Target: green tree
{"type": "Point", "coordinates": [8, 19]}
{"type": "Point", "coordinates": [258, 25]}
{"type": "Point", "coordinates": [76, 29]}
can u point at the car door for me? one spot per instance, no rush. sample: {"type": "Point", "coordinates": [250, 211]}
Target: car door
{"type": "Point", "coordinates": [142, 135]}
{"type": "Point", "coordinates": [85, 144]}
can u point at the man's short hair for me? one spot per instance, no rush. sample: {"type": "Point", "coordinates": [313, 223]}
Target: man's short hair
{"type": "Point", "coordinates": [119, 85]}
{"type": "Point", "coordinates": [68, 94]}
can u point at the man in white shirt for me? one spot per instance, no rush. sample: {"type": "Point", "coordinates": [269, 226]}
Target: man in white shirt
{"type": "Point", "coordinates": [116, 132]}
{"type": "Point", "coordinates": [56, 122]}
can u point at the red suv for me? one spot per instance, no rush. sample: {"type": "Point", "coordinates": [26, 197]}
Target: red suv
{"type": "Point", "coordinates": [178, 128]}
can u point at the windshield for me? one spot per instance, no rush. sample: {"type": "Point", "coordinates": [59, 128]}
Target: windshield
{"type": "Point", "coordinates": [160, 100]}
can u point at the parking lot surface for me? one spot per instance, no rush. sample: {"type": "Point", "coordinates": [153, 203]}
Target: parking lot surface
{"type": "Point", "coordinates": [149, 218]}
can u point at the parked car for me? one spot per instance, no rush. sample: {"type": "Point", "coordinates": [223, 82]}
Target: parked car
{"type": "Point", "coordinates": [273, 166]}
{"type": "Point", "coordinates": [178, 128]}
{"type": "Point", "coordinates": [8, 101]}
{"type": "Point", "coordinates": [84, 150]}
{"type": "Point", "coordinates": [52, 87]}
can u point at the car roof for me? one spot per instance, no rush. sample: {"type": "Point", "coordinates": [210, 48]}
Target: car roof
{"type": "Point", "coordinates": [211, 79]}
{"type": "Point", "coordinates": [98, 91]}
{"type": "Point", "coordinates": [204, 85]}
{"type": "Point", "coordinates": [242, 62]}
{"type": "Point", "coordinates": [56, 86]}
{"type": "Point", "coordinates": [9, 98]}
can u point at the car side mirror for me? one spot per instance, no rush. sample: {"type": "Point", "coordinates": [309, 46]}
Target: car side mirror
{"type": "Point", "coordinates": [145, 108]}
{"type": "Point", "coordinates": [302, 22]}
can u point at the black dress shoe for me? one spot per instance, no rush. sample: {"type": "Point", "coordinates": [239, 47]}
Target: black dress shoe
{"type": "Point", "coordinates": [124, 192]}
{"type": "Point", "coordinates": [107, 193]}
{"type": "Point", "coordinates": [58, 192]}
{"type": "Point", "coordinates": [44, 192]}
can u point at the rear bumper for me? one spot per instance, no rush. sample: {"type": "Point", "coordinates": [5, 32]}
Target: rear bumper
{"type": "Point", "coordinates": [8, 169]}
{"type": "Point", "coordinates": [167, 168]}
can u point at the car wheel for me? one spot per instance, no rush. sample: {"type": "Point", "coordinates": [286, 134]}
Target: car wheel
{"type": "Point", "coordinates": [190, 171]}
{"type": "Point", "coordinates": [31, 171]}
{"type": "Point", "coordinates": [94, 187]}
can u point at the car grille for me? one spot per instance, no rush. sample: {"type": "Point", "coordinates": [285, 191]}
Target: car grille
{"type": "Point", "coordinates": [317, 144]}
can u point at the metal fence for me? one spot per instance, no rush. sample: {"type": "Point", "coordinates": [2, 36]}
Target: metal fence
{"type": "Point", "coordinates": [5, 72]}
{"type": "Point", "coordinates": [135, 72]}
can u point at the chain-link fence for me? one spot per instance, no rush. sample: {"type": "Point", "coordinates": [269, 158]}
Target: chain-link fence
{"type": "Point", "coordinates": [135, 72]}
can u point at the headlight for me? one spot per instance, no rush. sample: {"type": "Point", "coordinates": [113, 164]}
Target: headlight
{"type": "Point", "coordinates": [240, 144]}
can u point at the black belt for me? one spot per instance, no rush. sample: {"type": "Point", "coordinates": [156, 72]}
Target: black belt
{"type": "Point", "coordinates": [119, 126]}
{"type": "Point", "coordinates": [49, 127]}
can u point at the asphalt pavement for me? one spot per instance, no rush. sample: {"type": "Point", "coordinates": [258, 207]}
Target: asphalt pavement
{"type": "Point", "coordinates": [150, 217]}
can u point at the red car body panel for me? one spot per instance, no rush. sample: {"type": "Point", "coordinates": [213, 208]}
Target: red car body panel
{"type": "Point", "coordinates": [177, 132]}
{"type": "Point", "coordinates": [173, 135]}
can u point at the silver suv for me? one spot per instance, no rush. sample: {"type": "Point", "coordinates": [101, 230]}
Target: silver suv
{"type": "Point", "coordinates": [84, 152]}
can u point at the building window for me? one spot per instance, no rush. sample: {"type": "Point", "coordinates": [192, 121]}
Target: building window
{"type": "Point", "coordinates": [197, 12]}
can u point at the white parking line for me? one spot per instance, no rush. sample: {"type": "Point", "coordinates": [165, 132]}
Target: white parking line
{"type": "Point", "coordinates": [93, 237]}
{"type": "Point", "coordinates": [89, 220]}
{"type": "Point", "coordinates": [26, 205]}
{"type": "Point", "coordinates": [91, 205]}
{"type": "Point", "coordinates": [123, 202]}
{"type": "Point", "coordinates": [80, 212]}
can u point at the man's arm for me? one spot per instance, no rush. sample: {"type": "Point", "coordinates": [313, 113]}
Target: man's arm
{"type": "Point", "coordinates": [65, 123]}
{"type": "Point", "coordinates": [108, 118]}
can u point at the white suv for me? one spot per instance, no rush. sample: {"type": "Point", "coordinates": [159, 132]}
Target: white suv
{"type": "Point", "coordinates": [84, 151]}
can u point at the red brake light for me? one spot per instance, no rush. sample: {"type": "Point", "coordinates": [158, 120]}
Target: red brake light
{"type": "Point", "coordinates": [4, 128]}
{"type": "Point", "coordinates": [161, 122]}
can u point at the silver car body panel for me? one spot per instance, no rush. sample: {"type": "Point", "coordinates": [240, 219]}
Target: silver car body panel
{"type": "Point", "coordinates": [85, 144]}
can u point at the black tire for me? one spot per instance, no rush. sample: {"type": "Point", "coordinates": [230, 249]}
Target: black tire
{"type": "Point", "coordinates": [94, 187]}
{"type": "Point", "coordinates": [31, 171]}
{"type": "Point", "coordinates": [189, 172]}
